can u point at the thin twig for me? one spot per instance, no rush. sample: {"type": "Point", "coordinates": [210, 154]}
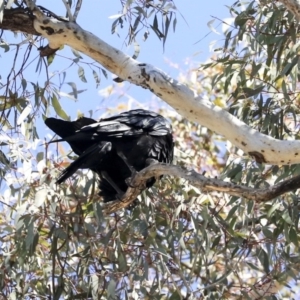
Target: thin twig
{"type": "Point", "coordinates": [77, 10]}
{"type": "Point", "coordinates": [70, 16]}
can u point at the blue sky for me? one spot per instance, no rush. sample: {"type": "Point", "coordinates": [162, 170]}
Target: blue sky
{"type": "Point", "coordinates": [189, 43]}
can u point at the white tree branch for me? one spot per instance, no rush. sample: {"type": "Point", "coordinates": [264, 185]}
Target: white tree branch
{"type": "Point", "coordinates": [68, 8]}
{"type": "Point", "coordinates": [262, 147]}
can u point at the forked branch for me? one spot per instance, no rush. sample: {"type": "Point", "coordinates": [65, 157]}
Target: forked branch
{"type": "Point", "coordinates": [59, 31]}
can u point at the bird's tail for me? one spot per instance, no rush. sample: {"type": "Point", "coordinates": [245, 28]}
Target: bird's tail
{"type": "Point", "coordinates": [88, 159]}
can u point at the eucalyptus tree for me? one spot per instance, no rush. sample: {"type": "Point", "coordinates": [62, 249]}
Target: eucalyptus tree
{"type": "Point", "coordinates": [223, 222]}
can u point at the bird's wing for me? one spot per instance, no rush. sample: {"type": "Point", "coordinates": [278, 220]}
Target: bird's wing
{"type": "Point", "coordinates": [162, 151]}
{"type": "Point", "coordinates": [143, 120]}
{"type": "Point", "coordinates": [88, 159]}
{"type": "Point", "coordinates": [107, 128]}
{"type": "Point", "coordinates": [131, 123]}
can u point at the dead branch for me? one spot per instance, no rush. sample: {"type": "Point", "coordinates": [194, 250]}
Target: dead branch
{"type": "Point", "coordinates": [204, 183]}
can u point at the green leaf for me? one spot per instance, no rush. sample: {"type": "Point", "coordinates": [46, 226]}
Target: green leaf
{"type": "Point", "coordinates": [50, 59]}
{"type": "Point", "coordinates": [81, 74]}
{"type": "Point", "coordinates": [76, 54]}
{"type": "Point", "coordinates": [286, 217]}
{"type": "Point", "coordinates": [273, 209]}
{"type": "Point", "coordinates": [5, 47]}
{"type": "Point", "coordinates": [58, 109]}
{"type": "Point", "coordinates": [111, 289]}
{"type": "Point", "coordinates": [97, 78]}
{"type": "Point", "coordinates": [293, 236]}
{"type": "Point", "coordinates": [9, 102]}
{"type": "Point", "coordinates": [288, 67]}
{"type": "Point", "coordinates": [136, 50]}
{"type": "Point", "coordinates": [3, 159]}
{"type": "Point", "coordinates": [268, 233]}
{"type": "Point", "coordinates": [24, 84]}
{"type": "Point", "coordinates": [211, 27]}
{"type": "Point", "coordinates": [175, 296]}
{"type": "Point", "coordinates": [234, 172]}
{"type": "Point", "coordinates": [74, 89]}
{"type": "Point", "coordinates": [264, 259]}
{"type": "Point", "coordinates": [40, 197]}
{"type": "Point", "coordinates": [232, 212]}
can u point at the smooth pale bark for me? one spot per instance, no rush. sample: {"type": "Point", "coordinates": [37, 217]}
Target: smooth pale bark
{"type": "Point", "coordinates": [188, 104]}
{"type": "Point", "coordinates": [261, 147]}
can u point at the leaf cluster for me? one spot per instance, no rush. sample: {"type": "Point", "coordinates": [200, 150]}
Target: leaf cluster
{"type": "Point", "coordinates": [177, 242]}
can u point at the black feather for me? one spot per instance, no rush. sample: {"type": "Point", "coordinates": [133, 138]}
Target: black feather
{"type": "Point", "coordinates": [114, 146]}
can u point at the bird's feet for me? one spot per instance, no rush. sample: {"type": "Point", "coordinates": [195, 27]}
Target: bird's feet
{"type": "Point", "coordinates": [151, 161]}
{"type": "Point", "coordinates": [105, 175]}
{"type": "Point", "coordinates": [131, 168]}
{"type": "Point", "coordinates": [128, 181]}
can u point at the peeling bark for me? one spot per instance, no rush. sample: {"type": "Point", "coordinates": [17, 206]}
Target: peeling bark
{"type": "Point", "coordinates": [263, 148]}
{"type": "Point", "coordinates": [203, 183]}
{"type": "Point", "coordinates": [18, 20]}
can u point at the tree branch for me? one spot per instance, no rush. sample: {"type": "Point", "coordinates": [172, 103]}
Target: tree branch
{"type": "Point", "coordinates": [205, 184]}
{"type": "Point", "coordinates": [68, 8]}
{"type": "Point", "coordinates": [77, 9]}
{"type": "Point", "coordinates": [263, 148]}
{"type": "Point", "coordinates": [293, 6]}
{"type": "Point", "coordinates": [18, 20]}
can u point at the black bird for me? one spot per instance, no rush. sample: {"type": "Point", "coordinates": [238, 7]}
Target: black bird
{"type": "Point", "coordinates": [115, 147]}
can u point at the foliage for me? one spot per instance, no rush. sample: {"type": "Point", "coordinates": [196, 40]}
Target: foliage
{"type": "Point", "coordinates": [260, 70]}
{"type": "Point", "coordinates": [140, 14]}
{"type": "Point", "coordinates": [177, 242]}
